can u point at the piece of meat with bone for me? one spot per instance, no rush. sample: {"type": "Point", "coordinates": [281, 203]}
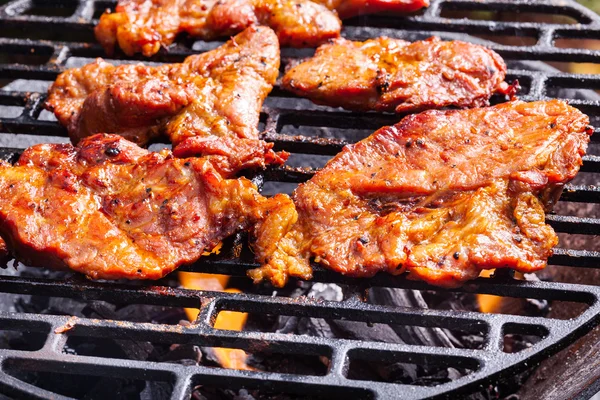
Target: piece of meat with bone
{"type": "Point", "coordinates": [441, 195]}
{"type": "Point", "coordinates": [392, 75]}
{"type": "Point", "coordinates": [110, 209]}
{"type": "Point", "coordinates": [217, 93]}
{"type": "Point", "coordinates": [144, 26]}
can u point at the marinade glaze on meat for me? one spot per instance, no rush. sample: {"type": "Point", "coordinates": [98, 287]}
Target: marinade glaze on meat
{"type": "Point", "coordinates": [393, 75]}
{"type": "Point", "coordinates": [215, 94]}
{"type": "Point", "coordinates": [440, 195]}
{"type": "Point", "coordinates": [143, 26]}
{"type": "Point", "coordinates": [110, 209]}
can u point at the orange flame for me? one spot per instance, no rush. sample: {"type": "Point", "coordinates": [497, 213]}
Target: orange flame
{"type": "Point", "coordinates": [496, 304]}
{"type": "Point", "coordinates": [488, 303]}
{"type": "Point", "coordinates": [227, 320]}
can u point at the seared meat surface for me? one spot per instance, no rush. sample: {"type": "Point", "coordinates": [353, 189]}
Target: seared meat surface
{"type": "Point", "coordinates": [110, 209]}
{"type": "Point", "coordinates": [393, 75]}
{"type": "Point", "coordinates": [441, 195]}
{"type": "Point", "coordinates": [217, 93]}
{"type": "Point", "coordinates": [144, 26]}
{"type": "Point", "coordinates": [351, 8]}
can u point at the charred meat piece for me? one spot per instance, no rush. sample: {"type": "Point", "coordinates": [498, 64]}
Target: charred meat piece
{"type": "Point", "coordinates": [110, 209]}
{"type": "Point", "coordinates": [393, 75]}
{"type": "Point", "coordinates": [144, 26]}
{"type": "Point", "coordinates": [441, 195]}
{"type": "Point", "coordinates": [217, 93]}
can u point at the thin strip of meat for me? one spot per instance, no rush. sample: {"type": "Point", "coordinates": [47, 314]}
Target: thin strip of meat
{"type": "Point", "coordinates": [110, 209]}
{"type": "Point", "coordinates": [392, 75]}
{"type": "Point", "coordinates": [217, 93]}
{"type": "Point", "coordinates": [144, 26]}
{"type": "Point", "coordinates": [441, 195]}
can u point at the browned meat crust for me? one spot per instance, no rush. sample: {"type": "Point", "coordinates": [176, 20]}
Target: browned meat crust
{"type": "Point", "coordinates": [386, 74]}
{"type": "Point", "coordinates": [442, 195]}
{"type": "Point", "coordinates": [144, 26]}
{"type": "Point", "coordinates": [217, 93]}
{"type": "Point", "coordinates": [351, 8]}
{"type": "Point", "coordinates": [110, 209]}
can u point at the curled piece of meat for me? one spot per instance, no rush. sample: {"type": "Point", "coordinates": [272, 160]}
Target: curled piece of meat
{"type": "Point", "coordinates": [110, 209]}
{"type": "Point", "coordinates": [392, 75]}
{"type": "Point", "coordinates": [441, 195]}
{"type": "Point", "coordinates": [215, 94]}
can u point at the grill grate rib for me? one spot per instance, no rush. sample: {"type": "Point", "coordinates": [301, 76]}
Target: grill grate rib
{"type": "Point", "coordinates": [25, 57]}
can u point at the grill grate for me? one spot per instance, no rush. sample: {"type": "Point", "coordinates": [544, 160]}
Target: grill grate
{"type": "Point", "coordinates": [41, 38]}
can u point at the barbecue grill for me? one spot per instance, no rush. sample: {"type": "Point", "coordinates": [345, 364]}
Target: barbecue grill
{"type": "Point", "coordinates": [41, 38]}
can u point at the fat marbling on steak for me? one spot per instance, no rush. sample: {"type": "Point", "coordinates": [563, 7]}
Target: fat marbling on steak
{"type": "Point", "coordinates": [440, 195]}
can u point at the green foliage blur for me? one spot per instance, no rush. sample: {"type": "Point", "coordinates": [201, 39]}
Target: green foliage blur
{"type": "Point", "coordinates": [591, 4]}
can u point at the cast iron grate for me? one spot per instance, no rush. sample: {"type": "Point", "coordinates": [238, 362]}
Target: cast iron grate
{"type": "Point", "coordinates": [37, 42]}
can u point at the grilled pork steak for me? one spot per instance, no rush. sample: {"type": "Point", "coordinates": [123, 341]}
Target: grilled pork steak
{"type": "Point", "coordinates": [110, 209]}
{"type": "Point", "coordinates": [143, 26]}
{"type": "Point", "coordinates": [217, 93]}
{"type": "Point", "coordinates": [351, 8]}
{"type": "Point", "coordinates": [386, 74]}
{"type": "Point", "coordinates": [441, 195]}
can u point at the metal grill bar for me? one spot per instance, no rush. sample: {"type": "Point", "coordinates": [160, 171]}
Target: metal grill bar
{"type": "Point", "coordinates": [47, 58]}
{"type": "Point", "coordinates": [201, 333]}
